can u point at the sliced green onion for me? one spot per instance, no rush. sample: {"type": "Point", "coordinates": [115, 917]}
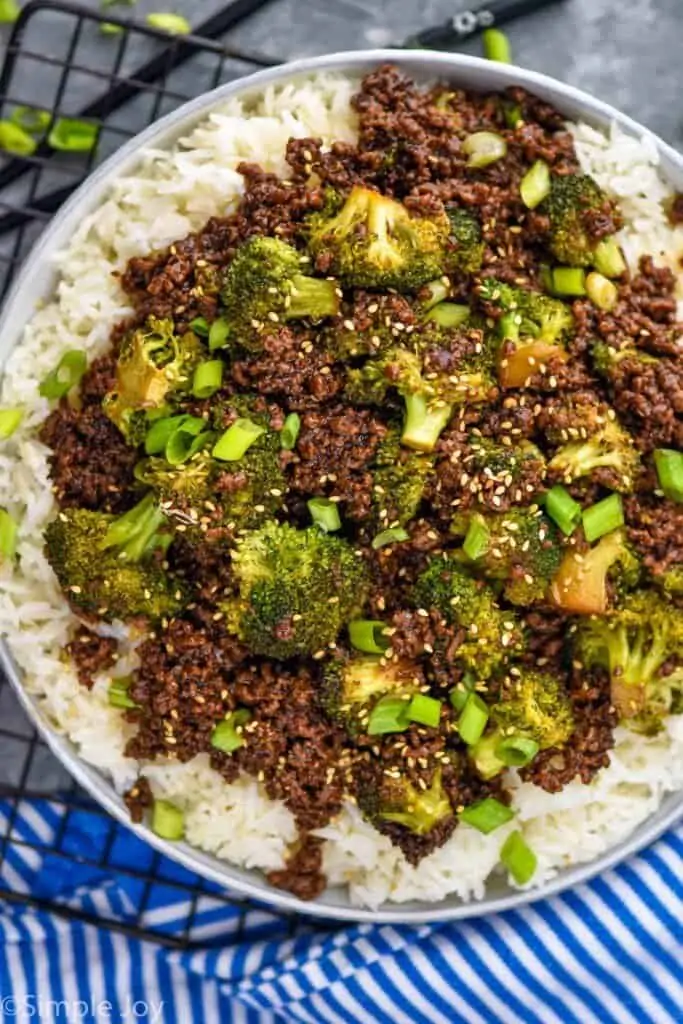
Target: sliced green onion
{"type": "Point", "coordinates": [228, 736]}
{"type": "Point", "coordinates": [394, 535]}
{"type": "Point", "coordinates": [138, 524]}
{"type": "Point", "coordinates": [118, 695]}
{"type": "Point", "coordinates": [562, 509]}
{"type": "Point", "coordinates": [496, 46]}
{"type": "Point", "coordinates": [160, 433]}
{"type": "Point", "coordinates": [423, 423]}
{"type": "Point", "coordinates": [669, 466]}
{"type": "Point", "coordinates": [174, 24]}
{"type": "Point", "coordinates": [487, 815]}
{"type": "Point", "coordinates": [200, 326]}
{"type": "Point", "coordinates": [569, 281]}
{"type": "Point", "coordinates": [517, 751]}
{"type": "Point", "coordinates": [9, 12]}
{"type": "Point", "coordinates": [31, 119]}
{"type": "Point", "coordinates": [390, 714]}
{"type": "Point", "coordinates": [290, 431]}
{"type": "Point", "coordinates": [186, 441]}
{"type": "Point", "coordinates": [518, 858]}
{"type": "Point", "coordinates": [65, 376]}
{"type": "Point", "coordinates": [601, 291]}
{"type": "Point", "coordinates": [512, 112]}
{"type": "Point", "coordinates": [108, 28]}
{"type": "Point", "coordinates": [72, 136]}
{"type": "Point", "coordinates": [9, 421]}
{"type": "Point", "coordinates": [14, 139]}
{"type": "Point", "coordinates": [425, 710]}
{"type": "Point", "coordinates": [8, 535]}
{"type": "Point", "coordinates": [604, 517]}
{"type": "Point", "coordinates": [535, 185]}
{"type": "Point", "coordinates": [208, 378]}
{"type": "Point", "coordinates": [218, 333]}
{"type": "Point", "coordinates": [484, 148]}
{"type": "Point", "coordinates": [473, 719]}
{"type": "Point", "coordinates": [325, 514]}
{"type": "Point", "coordinates": [449, 314]}
{"type": "Point", "coordinates": [477, 539]}
{"type": "Point", "coordinates": [237, 439]}
{"type": "Point", "coordinates": [368, 635]}
{"type": "Point", "coordinates": [168, 821]}
{"type": "Point", "coordinates": [438, 291]}
{"type": "Point", "coordinates": [608, 258]}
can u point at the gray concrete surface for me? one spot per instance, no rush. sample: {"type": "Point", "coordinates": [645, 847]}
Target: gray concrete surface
{"type": "Point", "coordinates": [625, 51]}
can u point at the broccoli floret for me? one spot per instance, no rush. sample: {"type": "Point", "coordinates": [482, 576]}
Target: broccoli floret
{"type": "Point", "coordinates": [492, 635]}
{"type": "Point", "coordinates": [375, 242]}
{"type": "Point", "coordinates": [397, 800]}
{"type": "Point", "coordinates": [605, 358]}
{"type": "Point", "coordinates": [153, 366]}
{"type": "Point", "coordinates": [634, 643]}
{"type": "Point", "coordinates": [523, 551]}
{"type": "Point", "coordinates": [349, 690]}
{"type": "Point", "coordinates": [398, 482]}
{"type": "Point", "coordinates": [107, 564]}
{"type": "Point", "coordinates": [586, 580]}
{"type": "Point", "coordinates": [608, 447]}
{"type": "Point", "coordinates": [671, 580]}
{"type": "Point", "coordinates": [533, 705]}
{"type": "Point", "coordinates": [503, 464]}
{"type": "Point", "coordinates": [573, 199]}
{"type": "Point", "coordinates": [266, 284]}
{"type": "Point", "coordinates": [534, 329]}
{"type": "Point", "coordinates": [468, 247]}
{"type": "Point", "coordinates": [297, 588]}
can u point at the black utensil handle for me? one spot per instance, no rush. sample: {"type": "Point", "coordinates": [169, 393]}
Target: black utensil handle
{"type": "Point", "coordinates": [469, 22]}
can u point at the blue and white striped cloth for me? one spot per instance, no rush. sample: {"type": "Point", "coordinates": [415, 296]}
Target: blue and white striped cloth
{"type": "Point", "coordinates": [610, 951]}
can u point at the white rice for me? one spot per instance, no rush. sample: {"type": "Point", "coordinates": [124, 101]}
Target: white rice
{"type": "Point", "coordinates": [171, 194]}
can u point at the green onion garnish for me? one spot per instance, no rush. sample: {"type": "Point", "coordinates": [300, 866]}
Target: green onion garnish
{"type": "Point", "coordinates": [9, 421]}
{"type": "Point", "coordinates": [31, 119]}
{"type": "Point", "coordinates": [604, 517]}
{"type": "Point", "coordinates": [228, 735]}
{"type": "Point", "coordinates": [290, 431]}
{"type": "Point", "coordinates": [174, 24]}
{"type": "Point", "coordinates": [512, 112]}
{"type": "Point", "coordinates": [438, 291]}
{"type": "Point", "coordinates": [535, 185]}
{"type": "Point", "coordinates": [208, 378]}
{"type": "Point", "coordinates": [108, 28]}
{"type": "Point", "coordinates": [476, 541]}
{"type": "Point", "coordinates": [390, 714]}
{"type": "Point", "coordinates": [669, 466]}
{"type": "Point", "coordinates": [237, 439]}
{"type": "Point", "coordinates": [186, 441]}
{"type": "Point", "coordinates": [517, 751]}
{"type": "Point", "coordinates": [325, 514]}
{"type": "Point", "coordinates": [449, 314]}
{"type": "Point", "coordinates": [570, 281]}
{"type": "Point", "coordinates": [118, 693]}
{"type": "Point", "coordinates": [65, 376]}
{"type": "Point", "coordinates": [9, 11]}
{"type": "Point", "coordinates": [368, 635]}
{"type": "Point", "coordinates": [13, 139]}
{"type": "Point", "coordinates": [8, 535]}
{"type": "Point", "coordinates": [218, 333]}
{"type": "Point", "coordinates": [487, 815]}
{"type": "Point", "coordinates": [518, 858]}
{"type": "Point", "coordinates": [562, 509]}
{"type": "Point", "coordinates": [168, 821]}
{"type": "Point", "coordinates": [484, 148]}
{"type": "Point", "coordinates": [72, 136]}
{"type": "Point", "coordinates": [496, 46]}
{"type": "Point", "coordinates": [473, 719]}
{"type": "Point", "coordinates": [394, 535]}
{"type": "Point", "coordinates": [601, 291]}
{"type": "Point", "coordinates": [608, 258]}
{"type": "Point", "coordinates": [161, 431]}
{"type": "Point", "coordinates": [200, 326]}
{"type": "Point", "coordinates": [425, 710]}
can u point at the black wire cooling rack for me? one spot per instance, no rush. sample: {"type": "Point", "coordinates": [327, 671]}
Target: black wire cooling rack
{"type": "Point", "coordinates": [130, 78]}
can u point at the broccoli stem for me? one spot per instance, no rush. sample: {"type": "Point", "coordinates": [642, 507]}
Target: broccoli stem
{"type": "Point", "coordinates": [311, 297]}
{"type": "Point", "coordinates": [423, 424]}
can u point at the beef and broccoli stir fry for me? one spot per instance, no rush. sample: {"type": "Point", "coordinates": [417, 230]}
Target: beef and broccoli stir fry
{"type": "Point", "coordinates": [387, 467]}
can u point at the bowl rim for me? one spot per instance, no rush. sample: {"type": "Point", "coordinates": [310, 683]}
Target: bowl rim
{"type": "Point", "coordinates": [19, 310]}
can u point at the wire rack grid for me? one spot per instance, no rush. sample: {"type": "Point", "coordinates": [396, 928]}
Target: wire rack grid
{"type": "Point", "coordinates": [131, 75]}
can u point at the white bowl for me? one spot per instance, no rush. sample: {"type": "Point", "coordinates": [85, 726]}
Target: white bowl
{"type": "Point", "coordinates": [37, 281]}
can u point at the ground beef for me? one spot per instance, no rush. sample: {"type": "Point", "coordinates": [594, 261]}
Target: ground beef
{"type": "Point", "coordinates": [294, 366]}
{"type": "Point", "coordinates": [655, 528]}
{"type": "Point", "coordinates": [303, 875]}
{"type": "Point", "coordinates": [649, 397]}
{"type": "Point", "coordinates": [91, 466]}
{"type": "Point", "coordinates": [91, 654]}
{"type": "Point", "coordinates": [139, 799]}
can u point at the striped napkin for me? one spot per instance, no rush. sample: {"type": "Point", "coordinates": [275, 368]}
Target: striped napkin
{"type": "Point", "coordinates": [609, 951]}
